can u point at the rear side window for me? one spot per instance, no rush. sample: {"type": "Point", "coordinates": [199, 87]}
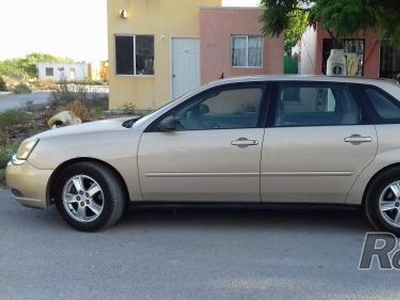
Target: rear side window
{"type": "Point", "coordinates": [384, 106]}
{"type": "Point", "coordinates": [315, 105]}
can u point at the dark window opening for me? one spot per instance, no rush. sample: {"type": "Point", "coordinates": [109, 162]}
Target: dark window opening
{"type": "Point", "coordinates": [134, 55]}
{"type": "Point", "coordinates": [49, 72]}
{"type": "Point", "coordinates": [390, 62]}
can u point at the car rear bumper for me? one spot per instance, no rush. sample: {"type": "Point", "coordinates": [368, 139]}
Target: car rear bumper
{"type": "Point", "coordinates": [27, 184]}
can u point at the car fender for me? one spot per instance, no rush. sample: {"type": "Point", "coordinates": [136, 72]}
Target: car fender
{"type": "Point", "coordinates": [96, 146]}
{"type": "Point", "coordinates": [382, 161]}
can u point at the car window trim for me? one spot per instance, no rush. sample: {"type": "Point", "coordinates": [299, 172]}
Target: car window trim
{"type": "Point", "coordinates": [373, 115]}
{"type": "Point", "coordinates": [274, 99]}
{"type": "Point", "coordinates": [264, 85]}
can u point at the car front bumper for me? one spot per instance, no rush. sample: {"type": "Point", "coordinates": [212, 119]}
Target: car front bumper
{"type": "Point", "coordinates": [28, 184]}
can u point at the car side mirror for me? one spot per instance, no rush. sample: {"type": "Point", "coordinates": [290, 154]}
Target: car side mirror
{"type": "Point", "coordinates": [167, 124]}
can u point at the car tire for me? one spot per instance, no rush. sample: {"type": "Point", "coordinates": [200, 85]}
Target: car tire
{"type": "Point", "coordinates": [89, 196]}
{"type": "Point", "coordinates": [382, 201]}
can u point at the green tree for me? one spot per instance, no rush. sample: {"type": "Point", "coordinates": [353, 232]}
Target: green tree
{"type": "Point", "coordinates": [278, 13]}
{"type": "Point", "coordinates": [298, 23]}
{"type": "Point", "coordinates": [338, 17]}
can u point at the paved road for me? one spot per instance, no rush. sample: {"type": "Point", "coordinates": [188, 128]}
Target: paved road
{"type": "Point", "coordinates": [161, 253]}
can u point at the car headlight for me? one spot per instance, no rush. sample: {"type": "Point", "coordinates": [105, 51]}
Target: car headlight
{"type": "Point", "coordinates": [24, 150]}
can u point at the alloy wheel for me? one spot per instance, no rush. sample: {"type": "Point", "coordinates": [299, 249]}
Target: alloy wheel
{"type": "Point", "coordinates": [389, 204]}
{"type": "Point", "coordinates": [83, 198]}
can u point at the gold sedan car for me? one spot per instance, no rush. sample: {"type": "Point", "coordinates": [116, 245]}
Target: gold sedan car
{"type": "Point", "coordinates": [273, 139]}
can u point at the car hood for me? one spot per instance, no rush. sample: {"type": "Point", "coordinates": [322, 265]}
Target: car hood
{"type": "Point", "coordinates": [86, 128]}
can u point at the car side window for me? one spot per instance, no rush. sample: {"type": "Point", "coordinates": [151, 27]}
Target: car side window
{"type": "Point", "coordinates": [315, 106]}
{"type": "Point", "coordinates": [233, 107]}
{"type": "Point", "coordinates": [384, 107]}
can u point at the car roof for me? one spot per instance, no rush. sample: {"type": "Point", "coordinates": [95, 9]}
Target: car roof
{"type": "Point", "coordinates": [312, 78]}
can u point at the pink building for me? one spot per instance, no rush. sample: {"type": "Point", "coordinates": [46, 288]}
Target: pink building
{"type": "Point", "coordinates": [232, 44]}
{"type": "Point", "coordinates": [316, 45]}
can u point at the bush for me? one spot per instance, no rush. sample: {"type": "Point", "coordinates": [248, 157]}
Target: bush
{"type": "Point", "coordinates": [67, 92]}
{"type": "Point", "coordinates": [3, 85]}
{"type": "Point", "coordinates": [11, 123]}
{"type": "Point", "coordinates": [6, 152]}
{"type": "Point", "coordinates": [45, 85]}
{"type": "Point", "coordinates": [129, 109]}
{"type": "Point", "coordinates": [79, 109]}
{"type": "Point", "coordinates": [22, 88]}
{"type": "Point", "coordinates": [87, 81]}
{"type": "Point", "coordinates": [14, 126]}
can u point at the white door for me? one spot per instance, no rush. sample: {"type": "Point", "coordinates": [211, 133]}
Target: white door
{"type": "Point", "coordinates": [185, 65]}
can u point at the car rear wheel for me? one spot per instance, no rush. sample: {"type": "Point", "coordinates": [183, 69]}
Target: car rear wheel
{"type": "Point", "coordinates": [89, 196]}
{"type": "Point", "coordinates": [382, 203]}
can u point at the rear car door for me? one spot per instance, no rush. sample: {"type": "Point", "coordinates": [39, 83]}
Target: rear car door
{"type": "Point", "coordinates": [316, 145]}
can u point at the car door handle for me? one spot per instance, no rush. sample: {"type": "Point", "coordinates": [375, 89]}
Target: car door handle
{"type": "Point", "coordinates": [244, 142]}
{"type": "Point", "coordinates": [357, 139]}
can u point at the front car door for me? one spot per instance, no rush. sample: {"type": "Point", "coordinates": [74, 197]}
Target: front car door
{"type": "Point", "coordinates": [214, 152]}
{"type": "Point", "coordinates": [316, 145]}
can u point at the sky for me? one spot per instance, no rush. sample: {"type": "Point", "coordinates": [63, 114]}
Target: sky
{"type": "Point", "coordinates": [65, 28]}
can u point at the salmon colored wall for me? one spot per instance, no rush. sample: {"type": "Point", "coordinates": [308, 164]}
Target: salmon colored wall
{"type": "Point", "coordinates": [216, 27]}
{"type": "Point", "coordinates": [371, 51]}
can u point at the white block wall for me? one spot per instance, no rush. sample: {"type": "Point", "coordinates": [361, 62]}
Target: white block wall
{"type": "Point", "coordinates": [69, 71]}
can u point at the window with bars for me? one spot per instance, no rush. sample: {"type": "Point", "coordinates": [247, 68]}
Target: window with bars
{"type": "Point", "coordinates": [355, 46]}
{"type": "Point", "coordinates": [390, 61]}
{"type": "Point", "coordinates": [247, 51]}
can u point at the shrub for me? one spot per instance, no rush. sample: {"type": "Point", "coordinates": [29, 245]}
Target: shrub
{"type": "Point", "coordinates": [3, 85]}
{"type": "Point", "coordinates": [67, 92]}
{"type": "Point", "coordinates": [79, 109]}
{"type": "Point", "coordinates": [11, 123]}
{"type": "Point", "coordinates": [6, 152]}
{"type": "Point", "coordinates": [129, 108]}
{"type": "Point", "coordinates": [97, 105]}
{"type": "Point", "coordinates": [45, 85]}
{"type": "Point", "coordinates": [22, 88]}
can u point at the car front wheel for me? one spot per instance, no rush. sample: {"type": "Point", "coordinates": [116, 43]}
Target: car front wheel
{"type": "Point", "coordinates": [89, 196]}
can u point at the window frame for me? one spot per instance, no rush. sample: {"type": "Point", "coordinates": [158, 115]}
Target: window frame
{"type": "Point", "coordinates": [275, 90]}
{"type": "Point", "coordinates": [46, 69]}
{"type": "Point", "coordinates": [247, 36]}
{"type": "Point", "coordinates": [373, 115]}
{"type": "Point", "coordinates": [134, 74]}
{"type": "Point", "coordinates": [261, 113]}
{"type": "Point", "coordinates": [389, 62]}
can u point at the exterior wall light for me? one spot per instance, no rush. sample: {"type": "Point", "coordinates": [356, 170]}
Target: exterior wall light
{"type": "Point", "coordinates": [123, 14]}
